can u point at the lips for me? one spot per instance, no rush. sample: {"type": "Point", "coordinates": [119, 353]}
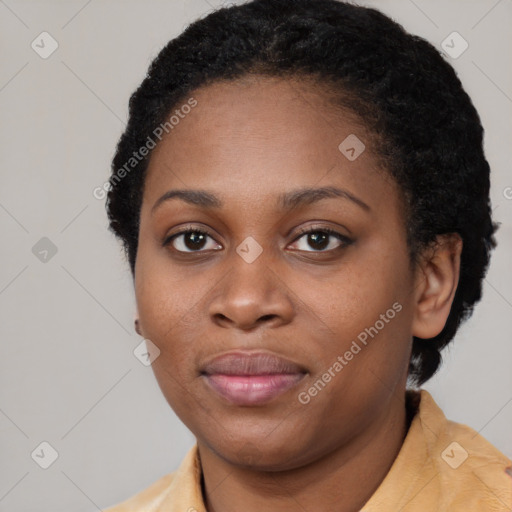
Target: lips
{"type": "Point", "coordinates": [255, 363]}
{"type": "Point", "coordinates": [251, 378]}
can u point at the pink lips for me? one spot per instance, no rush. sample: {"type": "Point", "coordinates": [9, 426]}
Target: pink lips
{"type": "Point", "coordinates": [251, 378]}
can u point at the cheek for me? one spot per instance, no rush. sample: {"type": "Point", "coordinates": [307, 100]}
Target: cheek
{"type": "Point", "coordinates": [166, 296]}
{"type": "Point", "coordinates": [370, 322]}
{"type": "Point", "coordinates": [366, 306]}
{"type": "Point", "coordinates": [352, 296]}
{"type": "Point", "coordinates": [168, 308]}
{"type": "Point", "coordinates": [169, 316]}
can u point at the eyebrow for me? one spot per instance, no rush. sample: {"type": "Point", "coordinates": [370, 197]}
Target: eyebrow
{"type": "Point", "coordinates": [288, 201]}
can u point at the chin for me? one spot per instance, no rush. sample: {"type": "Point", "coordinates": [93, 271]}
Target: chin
{"type": "Point", "coordinates": [261, 455]}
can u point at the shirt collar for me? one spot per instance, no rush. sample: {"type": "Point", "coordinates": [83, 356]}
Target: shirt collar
{"type": "Point", "coordinates": [418, 478]}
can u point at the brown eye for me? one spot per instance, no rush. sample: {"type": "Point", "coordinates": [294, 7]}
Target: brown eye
{"type": "Point", "coordinates": [321, 240]}
{"type": "Point", "coordinates": [191, 240]}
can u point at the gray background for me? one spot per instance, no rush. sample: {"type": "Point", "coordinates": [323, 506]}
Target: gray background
{"type": "Point", "coordinates": [68, 373]}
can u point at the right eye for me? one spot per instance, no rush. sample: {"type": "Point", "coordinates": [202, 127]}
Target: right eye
{"type": "Point", "coordinates": [190, 240]}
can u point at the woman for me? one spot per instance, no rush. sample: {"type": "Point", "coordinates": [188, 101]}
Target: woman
{"type": "Point", "coordinates": [303, 198]}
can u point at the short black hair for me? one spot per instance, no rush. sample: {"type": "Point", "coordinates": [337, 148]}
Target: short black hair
{"type": "Point", "coordinates": [400, 87]}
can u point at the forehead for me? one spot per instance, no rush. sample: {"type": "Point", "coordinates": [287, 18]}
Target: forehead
{"type": "Point", "coordinates": [265, 135]}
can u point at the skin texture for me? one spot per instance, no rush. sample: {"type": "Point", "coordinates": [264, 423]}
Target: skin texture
{"type": "Point", "coordinates": [247, 142]}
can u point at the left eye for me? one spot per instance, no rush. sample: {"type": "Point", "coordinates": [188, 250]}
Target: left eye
{"type": "Point", "coordinates": [321, 240]}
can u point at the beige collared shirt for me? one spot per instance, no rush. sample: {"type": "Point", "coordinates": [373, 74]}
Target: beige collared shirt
{"type": "Point", "coordinates": [442, 466]}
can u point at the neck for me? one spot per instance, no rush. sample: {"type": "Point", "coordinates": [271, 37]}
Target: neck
{"type": "Point", "coordinates": [342, 481]}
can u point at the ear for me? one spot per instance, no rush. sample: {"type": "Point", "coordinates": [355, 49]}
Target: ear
{"type": "Point", "coordinates": [436, 281]}
{"type": "Point", "coordinates": [137, 325]}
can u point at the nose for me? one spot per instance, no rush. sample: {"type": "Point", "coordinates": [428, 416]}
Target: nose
{"type": "Point", "coordinates": [252, 295]}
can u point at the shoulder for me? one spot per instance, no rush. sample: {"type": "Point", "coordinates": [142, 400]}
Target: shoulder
{"type": "Point", "coordinates": [146, 499]}
{"type": "Point", "coordinates": [173, 492]}
{"type": "Point", "coordinates": [443, 466]}
{"type": "Point", "coordinates": [469, 471]}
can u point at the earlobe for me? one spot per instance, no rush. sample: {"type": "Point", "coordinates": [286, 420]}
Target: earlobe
{"type": "Point", "coordinates": [436, 284]}
{"type": "Point", "coordinates": [137, 326]}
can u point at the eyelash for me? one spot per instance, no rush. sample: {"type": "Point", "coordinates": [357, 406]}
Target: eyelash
{"type": "Point", "coordinates": [345, 241]}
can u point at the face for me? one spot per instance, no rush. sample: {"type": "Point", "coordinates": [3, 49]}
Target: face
{"type": "Point", "coordinates": [283, 317]}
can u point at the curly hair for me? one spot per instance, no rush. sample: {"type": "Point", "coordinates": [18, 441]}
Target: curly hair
{"type": "Point", "coordinates": [429, 134]}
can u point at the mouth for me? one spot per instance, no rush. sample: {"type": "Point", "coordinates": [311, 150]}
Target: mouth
{"type": "Point", "coordinates": [251, 378]}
